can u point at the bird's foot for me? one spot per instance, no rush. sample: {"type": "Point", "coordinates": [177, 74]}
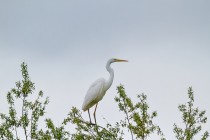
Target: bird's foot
{"type": "Point", "coordinates": [92, 123]}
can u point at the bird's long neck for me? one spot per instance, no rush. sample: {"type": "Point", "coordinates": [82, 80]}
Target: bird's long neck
{"type": "Point", "coordinates": [111, 77]}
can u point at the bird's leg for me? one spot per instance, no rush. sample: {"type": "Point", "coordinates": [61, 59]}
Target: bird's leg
{"type": "Point", "coordinates": [94, 114]}
{"type": "Point", "coordinates": [89, 116]}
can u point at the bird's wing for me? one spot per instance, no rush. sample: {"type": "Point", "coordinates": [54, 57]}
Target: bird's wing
{"type": "Point", "coordinates": [94, 93]}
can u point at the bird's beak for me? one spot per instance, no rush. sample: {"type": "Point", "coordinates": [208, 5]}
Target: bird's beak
{"type": "Point", "coordinates": [120, 60]}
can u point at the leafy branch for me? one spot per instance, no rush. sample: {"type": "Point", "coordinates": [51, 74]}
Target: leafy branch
{"type": "Point", "coordinates": [137, 118]}
{"type": "Point", "coordinates": [193, 119]}
{"type": "Point", "coordinates": [12, 124]}
{"type": "Point", "coordinates": [85, 130]}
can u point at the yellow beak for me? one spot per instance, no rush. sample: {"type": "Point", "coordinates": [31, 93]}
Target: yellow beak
{"type": "Point", "coordinates": [120, 60]}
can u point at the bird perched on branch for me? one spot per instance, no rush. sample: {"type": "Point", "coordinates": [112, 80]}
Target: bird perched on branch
{"type": "Point", "coordinates": [98, 89]}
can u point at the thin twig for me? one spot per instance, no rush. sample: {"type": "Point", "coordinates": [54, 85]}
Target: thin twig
{"type": "Point", "coordinates": [90, 124]}
{"type": "Point", "coordinates": [25, 131]}
{"type": "Point", "coordinates": [127, 117]}
{"type": "Point", "coordinates": [82, 120]}
{"type": "Point", "coordinates": [16, 134]}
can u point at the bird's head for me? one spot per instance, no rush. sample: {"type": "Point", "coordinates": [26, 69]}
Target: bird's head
{"type": "Point", "coordinates": [118, 60]}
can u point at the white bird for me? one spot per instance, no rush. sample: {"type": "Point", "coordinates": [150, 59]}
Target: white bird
{"type": "Point", "coordinates": [98, 89]}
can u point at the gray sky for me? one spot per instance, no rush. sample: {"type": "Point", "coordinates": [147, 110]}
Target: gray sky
{"type": "Point", "coordinates": [66, 45]}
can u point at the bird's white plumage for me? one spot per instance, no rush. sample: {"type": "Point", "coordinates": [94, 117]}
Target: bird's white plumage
{"type": "Point", "coordinates": [94, 94]}
{"type": "Point", "coordinates": [98, 89]}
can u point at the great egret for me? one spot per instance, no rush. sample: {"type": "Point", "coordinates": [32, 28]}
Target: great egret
{"type": "Point", "coordinates": [98, 89]}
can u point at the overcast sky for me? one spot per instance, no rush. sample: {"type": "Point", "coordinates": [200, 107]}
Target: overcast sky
{"type": "Point", "coordinates": [67, 43]}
